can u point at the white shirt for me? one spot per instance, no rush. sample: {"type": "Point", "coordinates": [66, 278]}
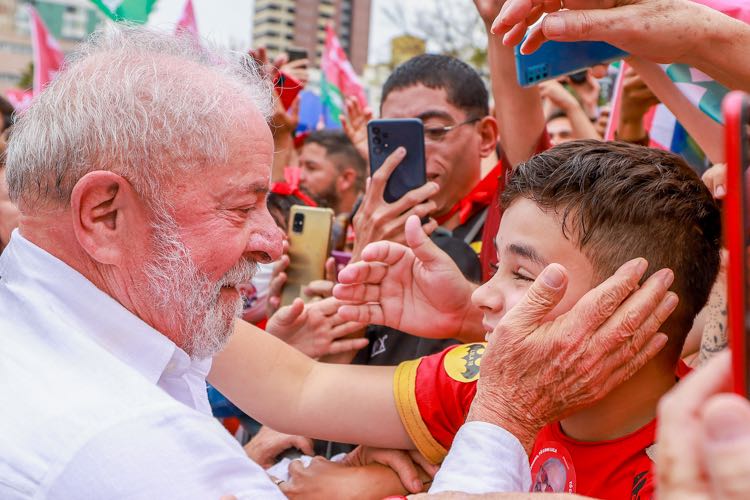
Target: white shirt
{"type": "Point", "coordinates": [96, 403]}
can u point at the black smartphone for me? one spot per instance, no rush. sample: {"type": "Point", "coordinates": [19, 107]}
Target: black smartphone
{"type": "Point", "coordinates": [383, 138]}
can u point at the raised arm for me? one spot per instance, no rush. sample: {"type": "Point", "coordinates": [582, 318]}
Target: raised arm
{"type": "Point", "coordinates": [518, 110]}
{"type": "Point", "coordinates": [283, 388]}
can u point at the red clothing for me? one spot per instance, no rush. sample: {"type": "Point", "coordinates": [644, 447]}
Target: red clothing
{"type": "Point", "coordinates": [433, 395]}
{"type": "Point", "coordinates": [488, 254]}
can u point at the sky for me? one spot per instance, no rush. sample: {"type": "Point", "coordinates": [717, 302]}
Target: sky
{"type": "Point", "coordinates": [229, 22]}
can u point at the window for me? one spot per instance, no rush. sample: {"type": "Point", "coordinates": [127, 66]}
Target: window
{"type": "Point", "coordinates": [74, 22]}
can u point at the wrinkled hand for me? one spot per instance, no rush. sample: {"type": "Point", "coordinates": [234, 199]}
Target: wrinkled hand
{"type": "Point", "coordinates": [268, 444]}
{"type": "Point", "coordinates": [417, 289]}
{"type": "Point", "coordinates": [715, 178]}
{"type": "Point", "coordinates": [618, 22]}
{"type": "Point", "coordinates": [354, 124]}
{"type": "Point", "coordinates": [534, 373]}
{"type": "Point", "coordinates": [315, 329]}
{"type": "Point", "coordinates": [412, 468]}
{"type": "Point", "coordinates": [712, 459]}
{"type": "Point", "coordinates": [377, 220]}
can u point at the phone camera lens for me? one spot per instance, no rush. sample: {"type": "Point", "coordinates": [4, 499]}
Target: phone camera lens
{"type": "Point", "coordinates": [298, 223]}
{"type": "Point", "coordinates": [376, 140]}
{"type": "Point", "coordinates": [378, 150]}
{"type": "Point", "coordinates": [375, 130]}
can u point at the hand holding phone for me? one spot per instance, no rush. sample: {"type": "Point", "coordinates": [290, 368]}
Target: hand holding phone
{"type": "Point", "coordinates": [386, 136]}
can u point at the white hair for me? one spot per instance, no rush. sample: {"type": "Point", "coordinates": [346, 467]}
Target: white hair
{"type": "Point", "coordinates": [135, 101]}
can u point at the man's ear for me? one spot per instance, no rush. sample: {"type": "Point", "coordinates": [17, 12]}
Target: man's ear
{"type": "Point", "coordinates": [347, 179]}
{"type": "Point", "coordinates": [106, 210]}
{"type": "Point", "coordinates": [488, 136]}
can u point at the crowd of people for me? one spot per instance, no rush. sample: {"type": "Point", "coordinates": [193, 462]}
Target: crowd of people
{"type": "Point", "coordinates": [545, 315]}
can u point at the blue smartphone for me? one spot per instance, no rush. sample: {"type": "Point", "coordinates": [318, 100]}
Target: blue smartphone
{"type": "Point", "coordinates": [383, 138]}
{"type": "Point", "coordinates": [555, 59]}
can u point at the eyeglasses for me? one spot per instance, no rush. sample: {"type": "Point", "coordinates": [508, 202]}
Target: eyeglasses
{"type": "Point", "coordinates": [437, 134]}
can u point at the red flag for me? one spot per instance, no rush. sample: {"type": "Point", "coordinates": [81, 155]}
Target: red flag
{"type": "Point", "coordinates": [187, 22]}
{"type": "Point", "coordinates": [48, 57]}
{"type": "Point", "coordinates": [19, 99]}
{"type": "Point", "coordinates": [338, 79]}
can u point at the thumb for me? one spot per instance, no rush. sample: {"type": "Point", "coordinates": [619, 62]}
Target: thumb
{"type": "Point", "coordinates": [289, 314]}
{"type": "Point", "coordinates": [726, 426]}
{"type": "Point", "coordinates": [543, 295]}
{"type": "Point", "coordinates": [572, 25]}
{"type": "Point", "coordinates": [424, 248]}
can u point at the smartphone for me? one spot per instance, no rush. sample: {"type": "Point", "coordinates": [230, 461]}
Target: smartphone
{"type": "Point", "coordinates": [736, 109]}
{"type": "Point", "coordinates": [287, 87]}
{"type": "Point", "coordinates": [309, 236]}
{"type": "Point", "coordinates": [295, 54]}
{"type": "Point", "coordinates": [383, 138]}
{"type": "Point", "coordinates": [555, 59]}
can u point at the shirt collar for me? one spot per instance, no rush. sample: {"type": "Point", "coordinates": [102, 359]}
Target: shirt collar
{"type": "Point", "coordinates": [95, 314]}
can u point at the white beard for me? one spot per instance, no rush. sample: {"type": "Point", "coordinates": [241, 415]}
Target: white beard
{"type": "Point", "coordinates": [186, 296]}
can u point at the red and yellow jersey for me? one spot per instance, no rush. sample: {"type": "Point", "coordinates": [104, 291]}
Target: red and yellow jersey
{"type": "Point", "coordinates": [433, 395]}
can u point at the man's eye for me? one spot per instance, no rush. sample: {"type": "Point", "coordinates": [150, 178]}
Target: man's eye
{"type": "Point", "coordinates": [434, 134]}
{"type": "Point", "coordinates": [245, 210]}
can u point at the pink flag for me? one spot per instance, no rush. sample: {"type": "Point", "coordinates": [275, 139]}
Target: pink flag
{"type": "Point", "coordinates": [19, 99]}
{"type": "Point", "coordinates": [738, 9]}
{"type": "Point", "coordinates": [48, 57]}
{"type": "Point", "coordinates": [338, 71]}
{"type": "Point", "coordinates": [187, 22]}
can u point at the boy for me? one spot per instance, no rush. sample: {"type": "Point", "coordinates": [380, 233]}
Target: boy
{"type": "Point", "coordinates": [589, 206]}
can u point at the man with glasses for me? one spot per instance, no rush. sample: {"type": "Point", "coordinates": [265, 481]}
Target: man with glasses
{"type": "Point", "coordinates": [452, 101]}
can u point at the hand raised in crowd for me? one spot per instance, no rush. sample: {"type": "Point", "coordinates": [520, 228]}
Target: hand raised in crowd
{"type": "Point", "coordinates": [628, 24]}
{"type": "Point", "coordinates": [416, 289]}
{"type": "Point", "coordinates": [268, 444]}
{"type": "Point", "coordinates": [354, 123]}
{"type": "Point", "coordinates": [715, 179]}
{"type": "Point", "coordinates": [315, 329]}
{"type": "Point", "coordinates": [378, 220]}
{"type": "Point", "coordinates": [588, 90]}
{"type": "Point", "coordinates": [296, 69]}
{"type": "Point", "coordinates": [637, 99]}
{"type": "Point", "coordinates": [712, 460]}
{"type": "Point", "coordinates": [591, 347]}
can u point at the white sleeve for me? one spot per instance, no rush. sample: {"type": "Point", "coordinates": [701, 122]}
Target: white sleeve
{"type": "Point", "coordinates": [484, 458]}
{"type": "Point", "coordinates": [160, 456]}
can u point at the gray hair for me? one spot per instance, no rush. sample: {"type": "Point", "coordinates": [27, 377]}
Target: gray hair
{"type": "Point", "coordinates": [134, 101]}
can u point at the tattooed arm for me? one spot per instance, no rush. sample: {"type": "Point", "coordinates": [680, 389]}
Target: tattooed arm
{"type": "Point", "coordinates": [714, 322]}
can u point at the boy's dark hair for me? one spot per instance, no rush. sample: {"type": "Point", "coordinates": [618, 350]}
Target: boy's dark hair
{"type": "Point", "coordinates": [618, 201]}
{"type": "Point", "coordinates": [343, 153]}
{"type": "Point", "coordinates": [462, 84]}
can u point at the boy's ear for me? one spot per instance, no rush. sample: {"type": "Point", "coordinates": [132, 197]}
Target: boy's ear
{"type": "Point", "coordinates": [488, 136]}
{"type": "Point", "coordinates": [106, 213]}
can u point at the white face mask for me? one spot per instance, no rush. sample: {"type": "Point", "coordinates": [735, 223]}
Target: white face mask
{"type": "Point", "coordinates": [255, 294]}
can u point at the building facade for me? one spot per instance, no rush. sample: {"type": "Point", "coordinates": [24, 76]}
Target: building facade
{"type": "Point", "coordinates": [283, 24]}
{"type": "Point", "coordinates": [69, 21]}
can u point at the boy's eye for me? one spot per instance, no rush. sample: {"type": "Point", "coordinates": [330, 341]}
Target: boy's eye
{"type": "Point", "coordinates": [521, 277]}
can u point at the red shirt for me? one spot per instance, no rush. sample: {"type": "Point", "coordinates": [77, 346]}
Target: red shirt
{"type": "Point", "coordinates": [433, 395]}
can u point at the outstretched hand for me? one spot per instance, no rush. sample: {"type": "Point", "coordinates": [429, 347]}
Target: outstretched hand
{"type": "Point", "coordinates": [417, 289]}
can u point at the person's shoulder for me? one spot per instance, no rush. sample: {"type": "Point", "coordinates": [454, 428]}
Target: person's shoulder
{"type": "Point", "coordinates": [159, 451]}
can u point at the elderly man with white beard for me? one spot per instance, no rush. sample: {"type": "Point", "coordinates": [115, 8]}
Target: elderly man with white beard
{"type": "Point", "coordinates": [141, 174]}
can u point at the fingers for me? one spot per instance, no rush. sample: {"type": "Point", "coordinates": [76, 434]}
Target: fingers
{"type": "Point", "coordinates": [305, 445]}
{"type": "Point", "coordinates": [331, 270]}
{"type": "Point", "coordinates": [640, 316]}
{"type": "Point", "coordinates": [347, 328]}
{"type": "Point", "coordinates": [430, 468]}
{"type": "Point", "coordinates": [543, 295]}
{"type": "Point", "coordinates": [400, 462]}
{"type": "Point", "coordinates": [691, 393]}
{"type": "Point", "coordinates": [347, 345]}
{"type": "Point", "coordinates": [422, 246]}
{"type": "Point", "coordinates": [319, 288]}
{"type": "Point", "coordinates": [415, 197]}
{"type": "Point", "coordinates": [370, 271]}
{"type": "Point", "coordinates": [380, 178]}
{"type": "Point", "coordinates": [289, 314]}
{"type": "Point", "coordinates": [600, 304]}
{"type": "Point", "coordinates": [363, 313]}
{"type": "Point", "coordinates": [726, 429]}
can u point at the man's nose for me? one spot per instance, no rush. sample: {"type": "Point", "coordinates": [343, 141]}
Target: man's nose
{"type": "Point", "coordinates": [265, 240]}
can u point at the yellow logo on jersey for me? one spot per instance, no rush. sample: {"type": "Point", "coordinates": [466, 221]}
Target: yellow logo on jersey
{"type": "Point", "coordinates": [462, 363]}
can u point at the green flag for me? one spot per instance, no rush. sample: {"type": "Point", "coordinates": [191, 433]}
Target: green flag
{"type": "Point", "coordinates": [135, 11]}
